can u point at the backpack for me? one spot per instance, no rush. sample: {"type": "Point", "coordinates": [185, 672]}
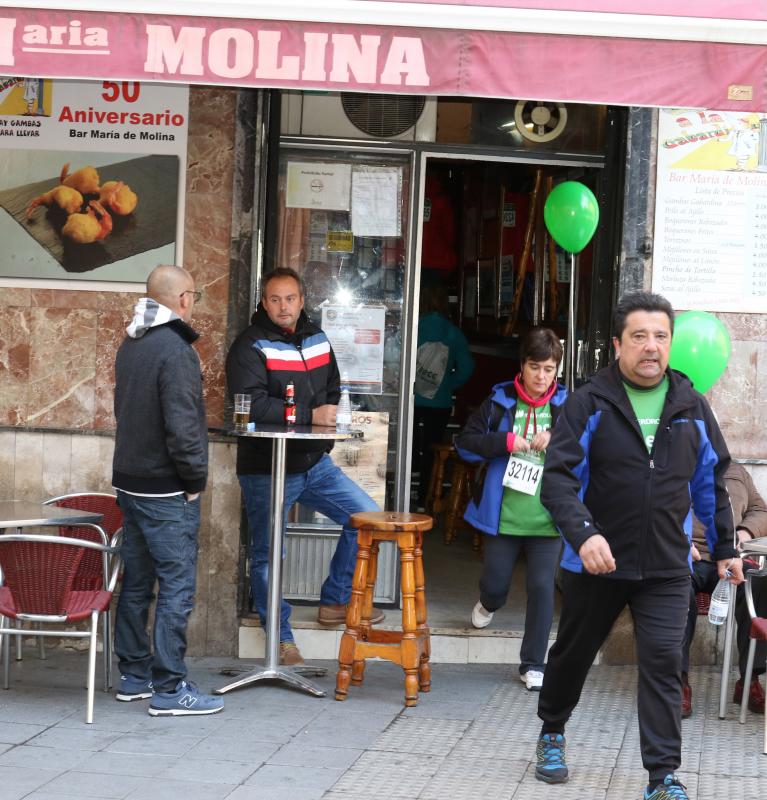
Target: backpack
{"type": "Point", "coordinates": [430, 368]}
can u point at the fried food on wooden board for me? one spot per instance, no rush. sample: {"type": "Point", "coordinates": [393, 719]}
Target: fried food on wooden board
{"type": "Point", "coordinates": [65, 197]}
{"type": "Point", "coordinates": [94, 224]}
{"type": "Point", "coordinates": [118, 197]}
{"type": "Point", "coordinates": [85, 180]}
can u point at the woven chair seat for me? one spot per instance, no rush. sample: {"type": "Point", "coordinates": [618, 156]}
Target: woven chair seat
{"type": "Point", "coordinates": [76, 605]}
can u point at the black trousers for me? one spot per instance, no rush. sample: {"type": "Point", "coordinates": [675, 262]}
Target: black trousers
{"type": "Point", "coordinates": [542, 553]}
{"type": "Point", "coordinates": [704, 579]}
{"type": "Point", "coordinates": [590, 606]}
{"type": "Point", "coordinates": [429, 426]}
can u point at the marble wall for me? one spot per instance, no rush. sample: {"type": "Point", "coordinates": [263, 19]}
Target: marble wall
{"type": "Point", "coordinates": [35, 465]}
{"type": "Point", "coordinates": [57, 346]}
{"type": "Point", "coordinates": [738, 396]}
{"type": "Point", "coordinates": [57, 350]}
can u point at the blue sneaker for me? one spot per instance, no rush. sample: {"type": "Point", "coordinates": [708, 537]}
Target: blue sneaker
{"type": "Point", "coordinates": [132, 688]}
{"type": "Point", "coordinates": [551, 766]}
{"type": "Point", "coordinates": [187, 700]}
{"type": "Point", "coordinates": [670, 789]}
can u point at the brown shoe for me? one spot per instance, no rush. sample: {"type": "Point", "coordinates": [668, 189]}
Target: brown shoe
{"type": "Point", "coordinates": [336, 615]}
{"type": "Point", "coordinates": [290, 655]}
{"type": "Point", "coordinates": [686, 699]}
{"type": "Point", "coordinates": [755, 695]}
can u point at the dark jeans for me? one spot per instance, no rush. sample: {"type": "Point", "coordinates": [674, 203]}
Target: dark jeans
{"type": "Point", "coordinates": [590, 606]}
{"type": "Point", "coordinates": [704, 579]}
{"type": "Point", "coordinates": [542, 553]}
{"type": "Point", "coordinates": [433, 423]}
{"type": "Point", "coordinates": [159, 544]}
{"type": "Point", "coordinates": [326, 489]}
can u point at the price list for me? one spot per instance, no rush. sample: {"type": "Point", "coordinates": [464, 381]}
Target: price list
{"type": "Point", "coordinates": [711, 239]}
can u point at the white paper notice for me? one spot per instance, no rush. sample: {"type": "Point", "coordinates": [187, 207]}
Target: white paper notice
{"type": "Point", "coordinates": [357, 337]}
{"type": "Point", "coordinates": [375, 201]}
{"type": "Point", "coordinates": [711, 211]}
{"type": "Point", "coordinates": [318, 185]}
{"type": "Point", "coordinates": [364, 460]}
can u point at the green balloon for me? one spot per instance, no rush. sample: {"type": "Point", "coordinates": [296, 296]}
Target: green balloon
{"type": "Point", "coordinates": [700, 348]}
{"type": "Point", "coordinates": [571, 214]}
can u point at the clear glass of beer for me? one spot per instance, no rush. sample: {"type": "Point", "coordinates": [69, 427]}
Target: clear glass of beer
{"type": "Point", "coordinates": [241, 412]}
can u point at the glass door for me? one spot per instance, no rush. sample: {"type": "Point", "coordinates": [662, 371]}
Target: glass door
{"type": "Point", "coordinates": [343, 225]}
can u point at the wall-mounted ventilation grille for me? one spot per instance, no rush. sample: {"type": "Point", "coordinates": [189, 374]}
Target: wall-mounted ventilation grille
{"type": "Point", "coordinates": [382, 115]}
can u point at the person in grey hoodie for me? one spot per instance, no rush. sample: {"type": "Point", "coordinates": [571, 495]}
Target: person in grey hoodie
{"type": "Point", "coordinates": [160, 468]}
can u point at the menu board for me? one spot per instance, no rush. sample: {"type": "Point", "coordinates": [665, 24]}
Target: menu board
{"type": "Point", "coordinates": [711, 210]}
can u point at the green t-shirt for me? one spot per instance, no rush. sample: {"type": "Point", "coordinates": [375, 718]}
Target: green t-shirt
{"type": "Point", "coordinates": [648, 406]}
{"type": "Point", "coordinates": [522, 514]}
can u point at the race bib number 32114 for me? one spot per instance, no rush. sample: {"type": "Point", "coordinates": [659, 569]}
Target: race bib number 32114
{"type": "Point", "coordinates": [523, 473]}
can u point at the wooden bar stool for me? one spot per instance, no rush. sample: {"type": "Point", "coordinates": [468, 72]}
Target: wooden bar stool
{"type": "Point", "coordinates": [410, 647]}
{"type": "Point", "coordinates": [437, 477]}
{"type": "Point", "coordinates": [460, 494]}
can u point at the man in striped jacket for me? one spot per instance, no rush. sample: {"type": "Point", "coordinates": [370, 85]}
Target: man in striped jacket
{"type": "Point", "coordinates": [283, 345]}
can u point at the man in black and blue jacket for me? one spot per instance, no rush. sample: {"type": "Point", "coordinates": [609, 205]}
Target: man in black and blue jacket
{"type": "Point", "coordinates": [632, 451]}
{"type": "Point", "coordinates": [283, 345]}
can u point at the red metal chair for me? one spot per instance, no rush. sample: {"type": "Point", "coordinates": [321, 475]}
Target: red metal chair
{"type": "Point", "coordinates": [758, 632]}
{"type": "Point", "coordinates": [39, 573]}
{"type": "Point", "coordinates": [94, 566]}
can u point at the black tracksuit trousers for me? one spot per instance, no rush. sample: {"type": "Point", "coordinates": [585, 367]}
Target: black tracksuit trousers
{"type": "Point", "coordinates": [590, 606]}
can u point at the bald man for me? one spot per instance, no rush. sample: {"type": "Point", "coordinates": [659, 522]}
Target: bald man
{"type": "Point", "coordinates": [160, 468]}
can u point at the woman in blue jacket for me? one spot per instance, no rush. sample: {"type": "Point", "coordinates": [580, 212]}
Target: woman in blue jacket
{"type": "Point", "coordinates": [510, 432]}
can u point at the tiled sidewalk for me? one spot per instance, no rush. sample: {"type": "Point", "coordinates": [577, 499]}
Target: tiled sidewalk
{"type": "Point", "coordinates": [472, 737]}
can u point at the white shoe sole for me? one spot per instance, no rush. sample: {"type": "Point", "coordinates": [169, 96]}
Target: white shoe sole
{"type": "Point", "coordinates": [530, 688]}
{"type": "Point", "coordinates": [181, 712]}
{"type": "Point", "coordinates": [129, 698]}
{"type": "Point", "coordinates": [480, 620]}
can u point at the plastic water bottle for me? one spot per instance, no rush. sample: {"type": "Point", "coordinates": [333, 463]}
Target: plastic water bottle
{"type": "Point", "coordinates": [344, 410]}
{"type": "Point", "coordinates": [720, 602]}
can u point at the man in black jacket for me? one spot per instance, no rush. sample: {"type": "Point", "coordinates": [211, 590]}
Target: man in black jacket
{"type": "Point", "coordinates": [630, 451]}
{"type": "Point", "coordinates": [281, 346]}
{"type": "Point", "coordinates": [160, 467]}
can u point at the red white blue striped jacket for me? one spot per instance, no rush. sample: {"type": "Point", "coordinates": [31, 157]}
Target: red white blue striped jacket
{"type": "Point", "coordinates": [261, 362]}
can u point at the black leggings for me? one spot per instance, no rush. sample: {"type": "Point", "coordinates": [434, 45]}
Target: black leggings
{"type": "Point", "coordinates": [542, 552]}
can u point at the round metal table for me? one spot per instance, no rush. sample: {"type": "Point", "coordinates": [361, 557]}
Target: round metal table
{"type": "Point", "coordinates": [280, 436]}
{"type": "Point", "coordinates": [26, 514]}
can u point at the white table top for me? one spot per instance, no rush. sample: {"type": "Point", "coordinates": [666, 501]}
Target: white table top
{"type": "Point", "coordinates": [25, 514]}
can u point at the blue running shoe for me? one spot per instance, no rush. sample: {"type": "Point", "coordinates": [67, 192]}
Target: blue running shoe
{"type": "Point", "coordinates": [132, 688]}
{"type": "Point", "coordinates": [187, 700]}
{"type": "Point", "coordinates": [670, 789]}
{"type": "Point", "coordinates": [550, 755]}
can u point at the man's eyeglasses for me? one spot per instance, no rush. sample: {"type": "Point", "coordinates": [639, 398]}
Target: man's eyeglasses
{"type": "Point", "coordinates": [196, 294]}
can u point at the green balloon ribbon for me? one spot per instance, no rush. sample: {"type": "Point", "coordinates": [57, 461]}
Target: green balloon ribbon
{"type": "Point", "coordinates": [571, 214]}
{"type": "Point", "coordinates": [700, 348]}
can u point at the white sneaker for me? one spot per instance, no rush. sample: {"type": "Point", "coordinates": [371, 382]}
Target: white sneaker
{"type": "Point", "coordinates": [480, 616]}
{"type": "Point", "coordinates": [533, 680]}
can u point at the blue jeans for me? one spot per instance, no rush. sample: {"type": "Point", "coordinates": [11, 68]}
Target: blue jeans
{"type": "Point", "coordinates": [326, 489]}
{"type": "Point", "coordinates": [159, 544]}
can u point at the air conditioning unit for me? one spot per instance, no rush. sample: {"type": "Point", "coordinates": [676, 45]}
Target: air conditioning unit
{"type": "Point", "coordinates": [352, 115]}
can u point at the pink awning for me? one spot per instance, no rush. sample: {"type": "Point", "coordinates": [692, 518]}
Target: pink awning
{"type": "Point", "coordinates": [414, 60]}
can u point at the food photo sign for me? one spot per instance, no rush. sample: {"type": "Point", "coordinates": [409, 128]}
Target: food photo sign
{"type": "Point", "coordinates": [92, 179]}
